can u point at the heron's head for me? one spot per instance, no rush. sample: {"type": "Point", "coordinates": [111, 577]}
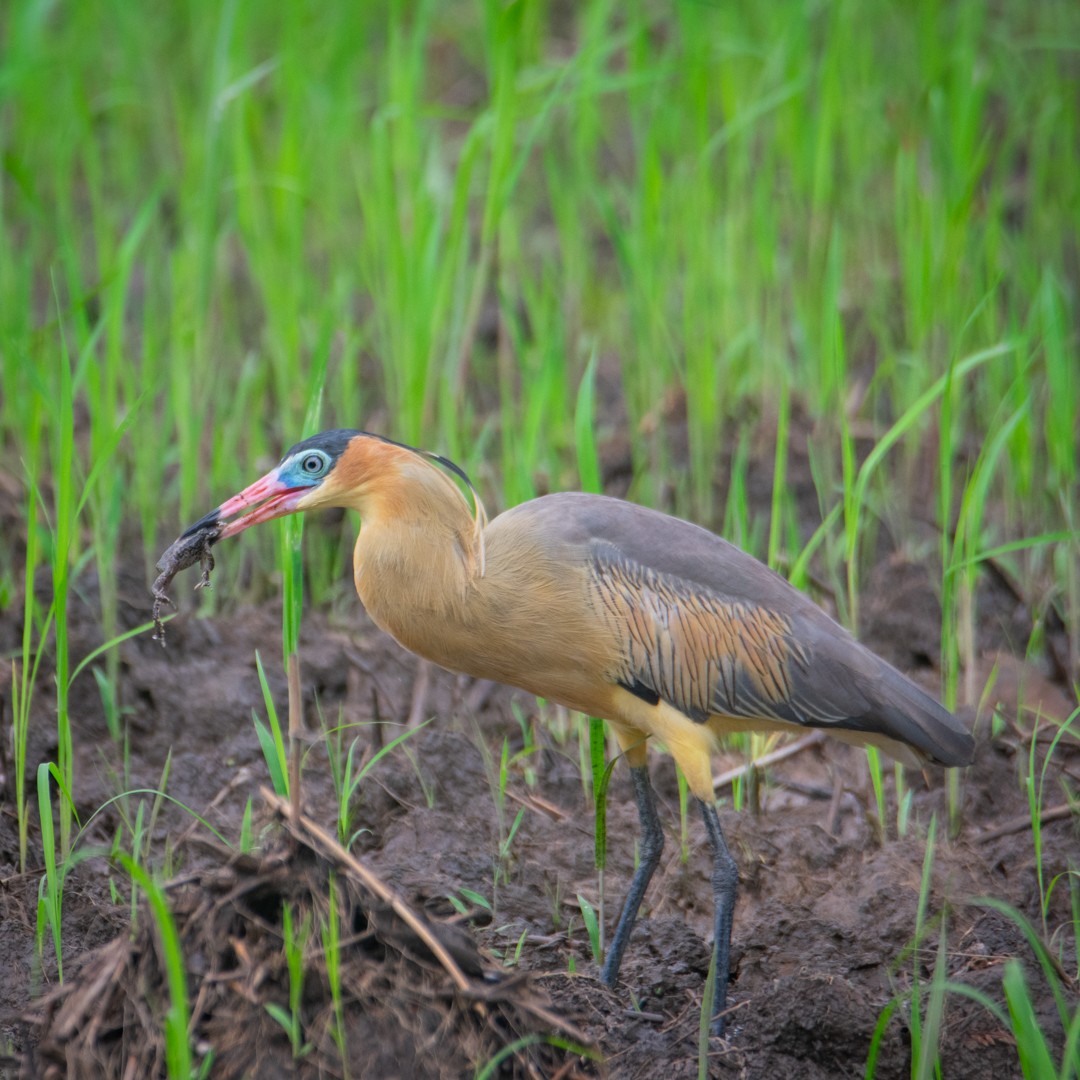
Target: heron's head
{"type": "Point", "coordinates": [316, 473]}
{"type": "Point", "coordinates": [347, 468]}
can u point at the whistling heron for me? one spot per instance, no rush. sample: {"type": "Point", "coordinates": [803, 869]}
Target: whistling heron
{"type": "Point", "coordinates": [656, 625]}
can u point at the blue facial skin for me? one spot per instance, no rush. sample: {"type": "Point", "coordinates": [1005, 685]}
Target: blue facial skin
{"type": "Point", "coordinates": [305, 469]}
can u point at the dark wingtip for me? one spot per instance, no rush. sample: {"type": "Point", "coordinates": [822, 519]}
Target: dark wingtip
{"type": "Point", "coordinates": [920, 720]}
{"type": "Point", "coordinates": [943, 735]}
{"type": "Point", "coordinates": [959, 750]}
{"type": "Point", "coordinates": [202, 525]}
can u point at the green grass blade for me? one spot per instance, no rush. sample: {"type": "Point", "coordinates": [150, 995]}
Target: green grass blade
{"type": "Point", "coordinates": [177, 1047]}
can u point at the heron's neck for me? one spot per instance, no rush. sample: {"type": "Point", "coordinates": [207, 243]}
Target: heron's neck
{"type": "Point", "coordinates": [417, 554]}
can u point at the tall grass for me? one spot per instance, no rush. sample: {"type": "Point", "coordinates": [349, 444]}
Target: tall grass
{"type": "Point", "coordinates": [432, 196]}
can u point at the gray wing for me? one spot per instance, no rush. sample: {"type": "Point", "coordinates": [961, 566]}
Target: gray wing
{"type": "Point", "coordinates": [712, 631]}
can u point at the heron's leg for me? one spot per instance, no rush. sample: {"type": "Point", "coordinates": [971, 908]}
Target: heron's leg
{"type": "Point", "coordinates": [725, 881]}
{"type": "Point", "coordinates": [652, 844]}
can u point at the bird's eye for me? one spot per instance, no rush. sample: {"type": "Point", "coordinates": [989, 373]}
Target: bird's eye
{"type": "Point", "coordinates": [312, 464]}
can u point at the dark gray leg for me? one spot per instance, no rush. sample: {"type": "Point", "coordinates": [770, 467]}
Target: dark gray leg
{"type": "Point", "coordinates": [725, 881]}
{"type": "Point", "coordinates": [652, 844]}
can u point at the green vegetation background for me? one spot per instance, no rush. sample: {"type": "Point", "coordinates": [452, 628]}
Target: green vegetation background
{"type": "Point", "coordinates": [451, 208]}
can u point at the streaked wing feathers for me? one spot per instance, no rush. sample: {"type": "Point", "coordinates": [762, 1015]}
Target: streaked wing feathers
{"type": "Point", "coordinates": [701, 624]}
{"type": "Point", "coordinates": [705, 654]}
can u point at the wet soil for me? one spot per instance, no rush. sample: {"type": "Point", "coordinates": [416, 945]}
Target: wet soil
{"type": "Point", "coordinates": [825, 922]}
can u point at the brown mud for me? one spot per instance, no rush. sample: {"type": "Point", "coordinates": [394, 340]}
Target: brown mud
{"type": "Point", "coordinates": [824, 925]}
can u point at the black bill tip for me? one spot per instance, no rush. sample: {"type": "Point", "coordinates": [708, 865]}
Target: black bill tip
{"type": "Point", "coordinates": [204, 524]}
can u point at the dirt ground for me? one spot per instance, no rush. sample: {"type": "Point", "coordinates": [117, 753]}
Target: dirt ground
{"type": "Point", "coordinates": [825, 915]}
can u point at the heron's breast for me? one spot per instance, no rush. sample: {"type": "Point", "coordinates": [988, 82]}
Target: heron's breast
{"type": "Point", "coordinates": [529, 621]}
